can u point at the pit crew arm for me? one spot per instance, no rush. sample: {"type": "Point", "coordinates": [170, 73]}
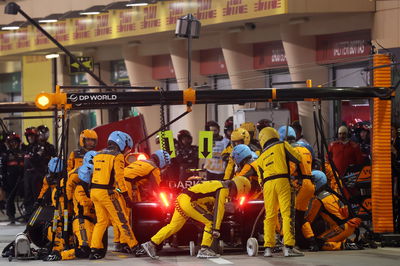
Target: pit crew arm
{"type": "Point", "coordinates": [229, 169]}
{"type": "Point", "coordinates": [73, 180]}
{"type": "Point", "coordinates": [81, 197]}
{"type": "Point", "coordinates": [44, 188]}
{"type": "Point", "coordinates": [119, 164]}
{"type": "Point", "coordinates": [70, 162]}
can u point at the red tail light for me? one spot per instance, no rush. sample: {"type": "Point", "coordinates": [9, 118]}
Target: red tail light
{"type": "Point", "coordinates": [164, 199]}
{"type": "Point", "coordinates": [242, 201]}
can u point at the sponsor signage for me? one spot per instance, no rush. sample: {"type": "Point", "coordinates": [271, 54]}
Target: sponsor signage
{"type": "Point", "coordinates": [269, 54]}
{"type": "Point", "coordinates": [333, 47]}
{"type": "Point", "coordinates": [78, 98]}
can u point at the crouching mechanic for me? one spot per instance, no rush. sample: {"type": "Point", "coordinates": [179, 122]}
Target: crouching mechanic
{"type": "Point", "coordinates": [50, 182]}
{"type": "Point", "coordinates": [329, 216]}
{"type": "Point", "coordinates": [83, 222]}
{"type": "Point", "coordinates": [143, 176]}
{"type": "Point", "coordinates": [192, 204]}
{"type": "Point", "coordinates": [73, 176]}
{"type": "Point", "coordinates": [273, 172]}
{"type": "Point", "coordinates": [108, 175]}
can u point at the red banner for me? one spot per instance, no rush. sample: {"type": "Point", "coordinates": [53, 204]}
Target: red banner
{"type": "Point", "coordinates": [212, 62]}
{"type": "Point", "coordinates": [268, 54]}
{"type": "Point", "coordinates": [162, 67]}
{"type": "Point", "coordinates": [333, 47]}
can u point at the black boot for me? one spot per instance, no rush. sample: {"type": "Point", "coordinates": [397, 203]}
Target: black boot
{"type": "Point", "coordinates": [54, 256]}
{"type": "Point", "coordinates": [96, 254]}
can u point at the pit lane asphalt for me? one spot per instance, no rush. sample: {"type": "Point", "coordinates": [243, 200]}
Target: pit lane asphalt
{"type": "Point", "coordinates": [172, 256]}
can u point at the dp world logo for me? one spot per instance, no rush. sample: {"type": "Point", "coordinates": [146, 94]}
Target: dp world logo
{"type": "Point", "coordinates": [73, 98]}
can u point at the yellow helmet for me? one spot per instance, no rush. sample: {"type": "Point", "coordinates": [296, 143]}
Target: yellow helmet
{"type": "Point", "coordinates": [241, 134]}
{"type": "Point", "coordinates": [87, 134]}
{"type": "Point", "coordinates": [266, 134]}
{"type": "Point", "coordinates": [249, 126]}
{"type": "Point", "coordinates": [243, 185]}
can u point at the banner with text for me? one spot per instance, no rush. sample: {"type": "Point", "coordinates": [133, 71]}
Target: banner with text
{"type": "Point", "coordinates": [136, 21]}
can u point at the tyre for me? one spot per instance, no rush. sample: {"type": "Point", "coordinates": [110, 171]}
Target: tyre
{"type": "Point", "coordinates": [252, 247]}
{"type": "Point", "coordinates": [221, 247]}
{"type": "Point", "coordinates": [192, 248]}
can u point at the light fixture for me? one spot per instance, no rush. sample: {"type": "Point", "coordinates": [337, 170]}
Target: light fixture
{"type": "Point", "coordinates": [188, 27]}
{"type": "Point", "coordinates": [236, 29]}
{"type": "Point", "coordinates": [94, 10]}
{"type": "Point", "coordinates": [116, 5]}
{"type": "Point", "coordinates": [51, 56]}
{"type": "Point", "coordinates": [12, 8]}
{"type": "Point", "coordinates": [50, 18]}
{"type": "Point", "coordinates": [301, 20]}
{"type": "Point", "coordinates": [15, 25]}
{"type": "Point", "coordinates": [71, 14]}
{"type": "Point", "coordinates": [138, 3]}
{"type": "Point", "coordinates": [134, 43]}
{"type": "Point", "coordinates": [27, 23]}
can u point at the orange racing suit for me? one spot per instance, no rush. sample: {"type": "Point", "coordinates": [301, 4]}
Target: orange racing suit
{"type": "Point", "coordinates": [107, 175]}
{"type": "Point", "coordinates": [336, 225]}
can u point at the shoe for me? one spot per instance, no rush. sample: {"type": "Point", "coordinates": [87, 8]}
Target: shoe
{"type": "Point", "coordinates": [292, 252]}
{"type": "Point", "coordinates": [268, 252]}
{"type": "Point", "coordinates": [96, 254]}
{"type": "Point", "coordinates": [125, 249]}
{"type": "Point", "coordinates": [206, 253]}
{"type": "Point", "coordinates": [54, 256]}
{"type": "Point", "coordinates": [351, 246]}
{"type": "Point", "coordinates": [150, 249]}
{"type": "Point", "coordinates": [117, 247]}
{"type": "Point", "coordinates": [138, 250]}
{"type": "Point", "coordinates": [42, 253]}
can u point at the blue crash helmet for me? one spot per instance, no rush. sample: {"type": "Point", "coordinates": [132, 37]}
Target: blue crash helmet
{"type": "Point", "coordinates": [88, 158]}
{"type": "Point", "coordinates": [85, 173]}
{"type": "Point", "coordinates": [283, 135]}
{"type": "Point", "coordinates": [163, 157]}
{"type": "Point", "coordinates": [319, 179]}
{"type": "Point", "coordinates": [122, 139]}
{"type": "Point", "coordinates": [241, 152]}
{"type": "Point", "coordinates": [55, 165]}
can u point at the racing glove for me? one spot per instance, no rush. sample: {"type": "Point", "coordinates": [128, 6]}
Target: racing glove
{"type": "Point", "coordinates": [215, 233]}
{"type": "Point", "coordinates": [354, 222]}
{"type": "Point", "coordinates": [129, 202]}
{"type": "Point", "coordinates": [37, 203]}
